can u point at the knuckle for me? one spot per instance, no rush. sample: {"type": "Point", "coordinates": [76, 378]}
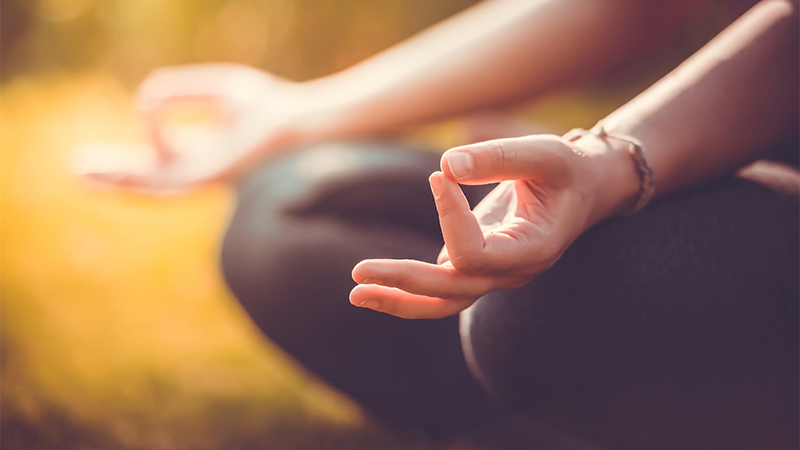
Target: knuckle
{"type": "Point", "coordinates": [449, 212]}
{"type": "Point", "coordinates": [495, 155]}
{"type": "Point", "coordinates": [504, 153]}
{"type": "Point", "coordinates": [445, 211]}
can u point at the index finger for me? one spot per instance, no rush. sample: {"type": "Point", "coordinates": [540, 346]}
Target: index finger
{"type": "Point", "coordinates": [462, 233]}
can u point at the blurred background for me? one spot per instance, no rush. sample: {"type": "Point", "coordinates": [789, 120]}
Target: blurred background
{"type": "Point", "coordinates": [117, 329]}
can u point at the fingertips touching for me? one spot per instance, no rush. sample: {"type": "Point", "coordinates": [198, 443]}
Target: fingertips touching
{"type": "Point", "coordinates": [458, 164]}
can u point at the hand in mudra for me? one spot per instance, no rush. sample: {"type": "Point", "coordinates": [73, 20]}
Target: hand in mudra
{"type": "Point", "coordinates": [547, 197]}
{"type": "Point", "coordinates": [252, 115]}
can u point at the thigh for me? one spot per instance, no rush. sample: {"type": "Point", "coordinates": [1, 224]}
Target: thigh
{"type": "Point", "coordinates": [301, 224]}
{"type": "Point", "coordinates": [673, 328]}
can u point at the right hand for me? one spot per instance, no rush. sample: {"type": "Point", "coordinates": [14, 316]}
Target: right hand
{"type": "Point", "coordinates": [258, 115]}
{"type": "Point", "coordinates": [551, 190]}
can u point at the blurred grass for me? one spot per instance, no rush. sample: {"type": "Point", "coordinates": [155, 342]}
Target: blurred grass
{"type": "Point", "coordinates": [117, 331]}
{"type": "Point", "coordinates": [115, 319]}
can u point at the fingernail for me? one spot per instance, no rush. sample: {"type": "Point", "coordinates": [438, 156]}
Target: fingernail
{"type": "Point", "coordinates": [371, 304]}
{"type": "Point", "coordinates": [436, 185]}
{"type": "Point", "coordinates": [371, 281]}
{"type": "Point", "coordinates": [460, 163]}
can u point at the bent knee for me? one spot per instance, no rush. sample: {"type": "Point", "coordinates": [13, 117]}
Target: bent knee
{"type": "Point", "coordinates": [491, 342]}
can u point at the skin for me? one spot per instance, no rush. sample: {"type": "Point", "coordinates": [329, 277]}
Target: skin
{"type": "Point", "coordinates": [716, 112]}
{"type": "Point", "coordinates": [497, 52]}
{"type": "Point", "coordinates": [702, 120]}
{"type": "Point", "coordinates": [515, 233]}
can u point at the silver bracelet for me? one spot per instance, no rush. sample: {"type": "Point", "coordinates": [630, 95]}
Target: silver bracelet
{"type": "Point", "coordinates": [648, 180]}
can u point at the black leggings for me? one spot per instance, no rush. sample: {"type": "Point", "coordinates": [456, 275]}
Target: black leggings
{"type": "Point", "coordinates": [674, 328]}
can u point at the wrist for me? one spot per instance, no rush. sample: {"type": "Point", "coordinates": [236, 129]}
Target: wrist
{"type": "Point", "coordinates": [327, 108]}
{"type": "Point", "coordinates": [615, 181]}
{"type": "Point", "coordinates": [310, 117]}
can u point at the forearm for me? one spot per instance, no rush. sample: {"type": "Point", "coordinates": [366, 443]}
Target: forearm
{"type": "Point", "coordinates": [718, 111]}
{"type": "Point", "coordinates": [721, 109]}
{"type": "Point", "coordinates": [493, 53]}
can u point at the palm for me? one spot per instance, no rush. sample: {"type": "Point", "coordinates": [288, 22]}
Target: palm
{"type": "Point", "coordinates": [517, 231]}
{"type": "Point", "coordinates": [518, 220]}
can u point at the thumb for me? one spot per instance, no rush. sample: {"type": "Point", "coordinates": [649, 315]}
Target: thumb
{"type": "Point", "coordinates": [538, 158]}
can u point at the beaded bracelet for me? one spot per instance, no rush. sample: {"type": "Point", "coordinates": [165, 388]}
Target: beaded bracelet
{"type": "Point", "coordinates": [648, 181]}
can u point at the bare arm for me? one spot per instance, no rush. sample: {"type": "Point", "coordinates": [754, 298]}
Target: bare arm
{"type": "Point", "coordinates": [721, 109]}
{"type": "Point", "coordinates": [496, 52]}
{"type": "Point", "coordinates": [725, 106]}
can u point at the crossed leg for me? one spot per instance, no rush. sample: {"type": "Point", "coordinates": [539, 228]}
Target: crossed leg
{"type": "Point", "coordinates": [669, 329]}
{"type": "Point", "coordinates": [673, 328]}
{"type": "Point", "coordinates": [301, 225]}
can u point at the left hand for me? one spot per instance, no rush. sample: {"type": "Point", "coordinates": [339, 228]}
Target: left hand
{"type": "Point", "coordinates": [551, 191]}
{"type": "Point", "coordinates": [255, 114]}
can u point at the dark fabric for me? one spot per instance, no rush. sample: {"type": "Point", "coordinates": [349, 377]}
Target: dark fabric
{"type": "Point", "coordinates": [674, 328]}
{"type": "Point", "coordinates": [677, 325]}
{"type": "Point", "coordinates": [787, 151]}
{"type": "Point", "coordinates": [301, 225]}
